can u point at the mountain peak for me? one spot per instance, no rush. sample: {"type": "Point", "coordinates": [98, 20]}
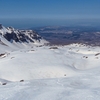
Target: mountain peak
{"type": "Point", "coordinates": [21, 36]}
{"type": "Point", "coordinates": [1, 26]}
{"type": "Point", "coordinates": [10, 28]}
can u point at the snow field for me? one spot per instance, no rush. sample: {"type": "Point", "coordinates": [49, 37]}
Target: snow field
{"type": "Point", "coordinates": [68, 73]}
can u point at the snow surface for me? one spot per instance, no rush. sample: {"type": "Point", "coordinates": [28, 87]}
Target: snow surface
{"type": "Point", "coordinates": [70, 72]}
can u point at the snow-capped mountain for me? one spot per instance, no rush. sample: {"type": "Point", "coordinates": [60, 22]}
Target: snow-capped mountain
{"type": "Point", "coordinates": [9, 36]}
{"type": "Point", "coordinates": [31, 72]}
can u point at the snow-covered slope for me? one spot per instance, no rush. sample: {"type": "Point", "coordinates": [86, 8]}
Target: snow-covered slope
{"type": "Point", "coordinates": [47, 62]}
{"type": "Point", "coordinates": [69, 72]}
{"type": "Point", "coordinates": [31, 71]}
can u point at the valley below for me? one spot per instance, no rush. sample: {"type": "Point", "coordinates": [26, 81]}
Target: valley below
{"type": "Point", "coordinates": [64, 35]}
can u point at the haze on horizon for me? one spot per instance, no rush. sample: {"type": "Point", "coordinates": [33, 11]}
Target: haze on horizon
{"type": "Point", "coordinates": [35, 13]}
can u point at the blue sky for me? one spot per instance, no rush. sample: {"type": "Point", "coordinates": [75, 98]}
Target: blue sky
{"type": "Point", "coordinates": [47, 12]}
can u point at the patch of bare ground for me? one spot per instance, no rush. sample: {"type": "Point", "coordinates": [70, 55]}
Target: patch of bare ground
{"type": "Point", "coordinates": [53, 48]}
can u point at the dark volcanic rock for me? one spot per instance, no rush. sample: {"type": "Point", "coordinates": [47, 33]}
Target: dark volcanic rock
{"type": "Point", "coordinates": [11, 36]}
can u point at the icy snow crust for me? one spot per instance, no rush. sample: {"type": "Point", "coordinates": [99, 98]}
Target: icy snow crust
{"type": "Point", "coordinates": [69, 72]}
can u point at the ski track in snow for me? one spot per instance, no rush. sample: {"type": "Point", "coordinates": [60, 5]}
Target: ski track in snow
{"type": "Point", "coordinates": [68, 73]}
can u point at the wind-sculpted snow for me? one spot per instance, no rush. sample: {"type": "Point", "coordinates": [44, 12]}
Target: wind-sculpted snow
{"type": "Point", "coordinates": [69, 72]}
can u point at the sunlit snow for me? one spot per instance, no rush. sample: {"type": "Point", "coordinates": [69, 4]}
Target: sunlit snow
{"type": "Point", "coordinates": [69, 72]}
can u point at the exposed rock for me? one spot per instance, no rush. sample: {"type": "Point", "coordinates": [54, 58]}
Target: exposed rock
{"type": "Point", "coordinates": [21, 80]}
{"type": "Point", "coordinates": [97, 54]}
{"type": "Point", "coordinates": [2, 54]}
{"type": "Point", "coordinates": [53, 47]}
{"type": "Point", "coordinates": [4, 83]}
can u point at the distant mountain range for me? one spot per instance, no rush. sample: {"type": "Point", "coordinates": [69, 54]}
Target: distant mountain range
{"type": "Point", "coordinates": [16, 35]}
{"type": "Point", "coordinates": [16, 38]}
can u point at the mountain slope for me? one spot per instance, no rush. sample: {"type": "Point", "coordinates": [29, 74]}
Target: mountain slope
{"type": "Point", "coordinates": [69, 72]}
{"type": "Point", "coordinates": [31, 72]}
{"type": "Point", "coordinates": [14, 38]}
